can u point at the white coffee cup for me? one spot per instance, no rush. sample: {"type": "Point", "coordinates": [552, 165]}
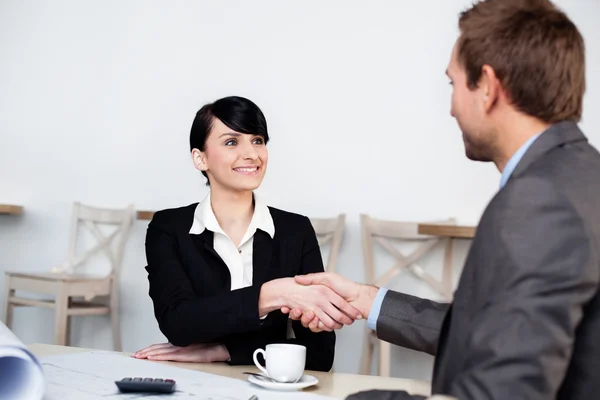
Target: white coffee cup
{"type": "Point", "coordinates": [284, 362]}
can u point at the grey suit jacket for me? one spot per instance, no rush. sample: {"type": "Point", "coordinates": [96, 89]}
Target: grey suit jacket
{"type": "Point", "coordinates": [525, 321]}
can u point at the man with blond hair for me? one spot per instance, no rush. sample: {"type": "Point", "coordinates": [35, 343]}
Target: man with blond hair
{"type": "Point", "coordinates": [525, 319]}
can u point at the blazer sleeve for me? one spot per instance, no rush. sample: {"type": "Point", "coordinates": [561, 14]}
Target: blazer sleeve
{"type": "Point", "coordinates": [183, 317]}
{"type": "Point", "coordinates": [411, 322]}
{"type": "Point", "coordinates": [320, 347]}
{"type": "Point", "coordinates": [545, 275]}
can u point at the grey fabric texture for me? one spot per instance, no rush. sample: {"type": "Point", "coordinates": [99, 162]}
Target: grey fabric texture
{"type": "Point", "coordinates": [525, 319]}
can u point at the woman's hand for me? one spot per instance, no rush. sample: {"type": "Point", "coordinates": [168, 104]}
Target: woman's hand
{"type": "Point", "coordinates": [199, 352]}
{"type": "Point", "coordinates": [357, 295]}
{"type": "Point", "coordinates": [308, 319]}
{"type": "Point", "coordinates": [330, 308]}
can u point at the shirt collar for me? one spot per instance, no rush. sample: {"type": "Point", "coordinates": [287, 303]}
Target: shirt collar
{"type": "Point", "coordinates": [514, 160]}
{"type": "Point", "coordinates": [204, 218]}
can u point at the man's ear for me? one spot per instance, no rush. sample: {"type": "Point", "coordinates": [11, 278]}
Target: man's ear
{"type": "Point", "coordinates": [490, 87]}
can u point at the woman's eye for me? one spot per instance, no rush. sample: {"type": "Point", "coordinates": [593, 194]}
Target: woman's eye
{"type": "Point", "coordinates": [259, 140]}
{"type": "Point", "coordinates": [230, 142]}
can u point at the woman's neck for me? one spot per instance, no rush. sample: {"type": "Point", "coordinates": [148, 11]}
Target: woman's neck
{"type": "Point", "coordinates": [233, 210]}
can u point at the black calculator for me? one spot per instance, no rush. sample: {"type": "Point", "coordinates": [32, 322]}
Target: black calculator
{"type": "Point", "coordinates": [146, 385]}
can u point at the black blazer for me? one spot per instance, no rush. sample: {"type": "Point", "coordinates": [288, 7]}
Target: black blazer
{"type": "Point", "coordinates": [190, 286]}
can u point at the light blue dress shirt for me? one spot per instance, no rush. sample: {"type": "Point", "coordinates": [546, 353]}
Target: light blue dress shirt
{"type": "Point", "coordinates": [514, 160]}
{"type": "Point", "coordinates": [506, 173]}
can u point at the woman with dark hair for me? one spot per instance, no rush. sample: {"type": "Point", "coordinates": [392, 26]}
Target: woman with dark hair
{"type": "Point", "coordinates": [221, 270]}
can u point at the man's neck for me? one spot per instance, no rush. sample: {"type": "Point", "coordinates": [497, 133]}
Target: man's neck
{"type": "Point", "coordinates": [513, 134]}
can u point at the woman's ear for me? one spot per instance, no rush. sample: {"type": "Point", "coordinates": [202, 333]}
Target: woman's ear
{"type": "Point", "coordinates": [199, 159]}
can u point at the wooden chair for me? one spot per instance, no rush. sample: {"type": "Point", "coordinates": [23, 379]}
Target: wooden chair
{"type": "Point", "coordinates": [73, 292]}
{"type": "Point", "coordinates": [330, 231]}
{"type": "Point", "coordinates": [380, 232]}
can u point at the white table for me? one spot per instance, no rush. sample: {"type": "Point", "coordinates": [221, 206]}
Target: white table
{"type": "Point", "coordinates": [330, 383]}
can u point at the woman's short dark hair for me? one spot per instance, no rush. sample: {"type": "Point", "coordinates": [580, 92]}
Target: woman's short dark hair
{"type": "Point", "coordinates": [238, 113]}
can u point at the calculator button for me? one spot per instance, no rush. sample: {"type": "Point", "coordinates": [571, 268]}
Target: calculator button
{"type": "Point", "coordinates": [126, 379]}
{"type": "Point", "coordinates": [169, 380]}
{"type": "Point", "coordinates": [147, 379]}
{"type": "Point", "coordinates": [158, 380]}
{"type": "Point", "coordinates": [137, 379]}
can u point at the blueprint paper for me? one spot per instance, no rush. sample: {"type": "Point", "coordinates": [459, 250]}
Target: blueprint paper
{"type": "Point", "coordinates": [91, 376]}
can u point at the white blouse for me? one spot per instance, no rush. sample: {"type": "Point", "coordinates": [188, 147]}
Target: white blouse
{"type": "Point", "coordinates": [238, 259]}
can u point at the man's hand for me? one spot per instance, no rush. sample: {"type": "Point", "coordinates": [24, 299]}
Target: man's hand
{"type": "Point", "coordinates": [200, 353]}
{"type": "Point", "coordinates": [358, 295]}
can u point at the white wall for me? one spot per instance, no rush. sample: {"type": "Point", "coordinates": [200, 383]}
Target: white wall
{"type": "Point", "coordinates": [97, 98]}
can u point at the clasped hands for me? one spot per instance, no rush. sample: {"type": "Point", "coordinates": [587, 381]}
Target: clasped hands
{"type": "Point", "coordinates": [321, 301]}
{"type": "Point", "coordinates": [354, 301]}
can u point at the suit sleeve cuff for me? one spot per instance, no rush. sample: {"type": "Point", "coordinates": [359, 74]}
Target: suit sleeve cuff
{"type": "Point", "coordinates": [376, 309]}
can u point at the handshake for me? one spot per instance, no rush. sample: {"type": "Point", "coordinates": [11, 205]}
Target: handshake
{"type": "Point", "coordinates": [326, 301]}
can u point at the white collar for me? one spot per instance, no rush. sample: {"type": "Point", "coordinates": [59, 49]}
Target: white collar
{"type": "Point", "coordinates": [204, 218]}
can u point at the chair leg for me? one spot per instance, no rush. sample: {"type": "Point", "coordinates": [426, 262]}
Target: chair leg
{"type": "Point", "coordinates": [68, 325]}
{"type": "Point", "coordinates": [384, 358]}
{"type": "Point", "coordinates": [367, 356]}
{"type": "Point", "coordinates": [115, 320]}
{"type": "Point", "coordinates": [60, 317]}
{"type": "Point", "coordinates": [9, 307]}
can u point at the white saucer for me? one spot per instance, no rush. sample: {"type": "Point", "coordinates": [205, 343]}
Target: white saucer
{"type": "Point", "coordinates": [304, 382]}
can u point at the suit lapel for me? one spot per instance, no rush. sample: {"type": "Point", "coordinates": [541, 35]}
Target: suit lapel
{"type": "Point", "coordinates": [262, 250]}
{"type": "Point", "coordinates": [211, 258]}
{"type": "Point", "coordinates": [207, 238]}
